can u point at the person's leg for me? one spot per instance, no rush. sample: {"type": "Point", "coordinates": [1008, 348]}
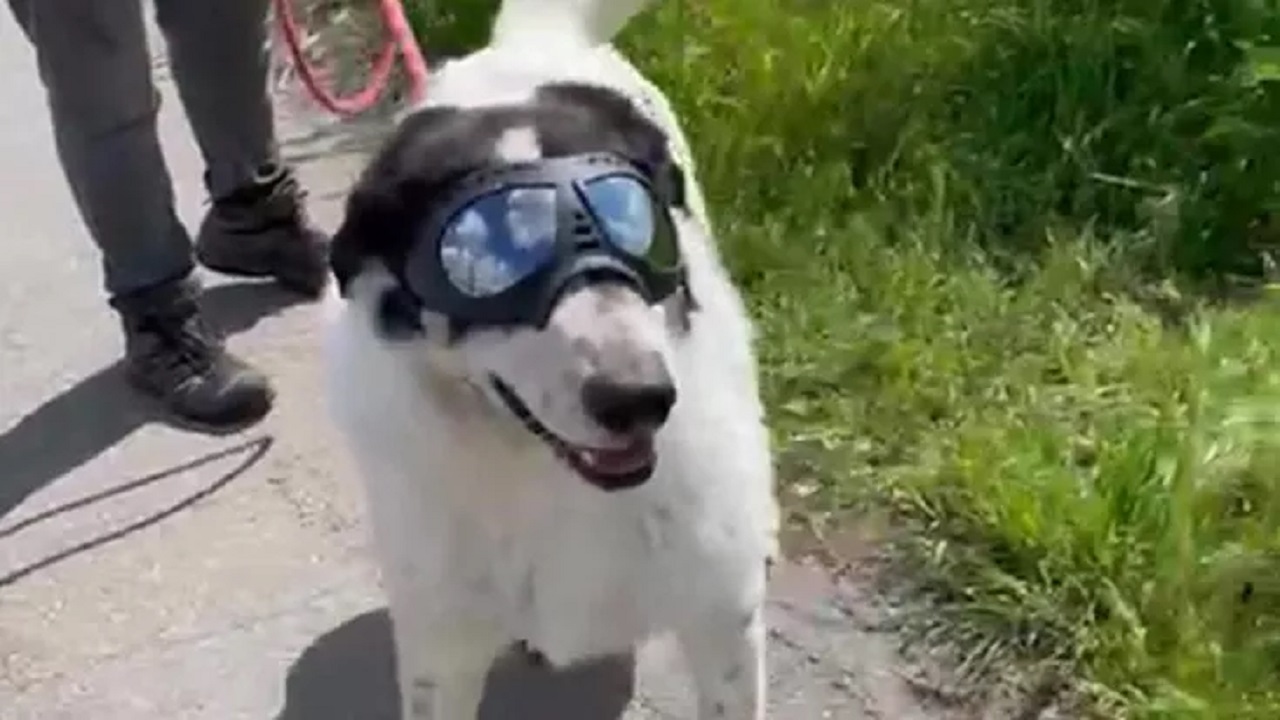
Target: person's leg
{"type": "Point", "coordinates": [94, 62]}
{"type": "Point", "coordinates": [258, 225]}
{"type": "Point", "coordinates": [95, 65]}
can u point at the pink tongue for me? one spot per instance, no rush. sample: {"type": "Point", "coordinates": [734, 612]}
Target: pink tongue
{"type": "Point", "coordinates": [618, 460]}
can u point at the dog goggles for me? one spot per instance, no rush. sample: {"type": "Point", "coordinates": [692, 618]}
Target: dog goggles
{"type": "Point", "coordinates": [509, 241]}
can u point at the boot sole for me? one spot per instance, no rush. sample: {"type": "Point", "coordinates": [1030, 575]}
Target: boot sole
{"type": "Point", "coordinates": [217, 424]}
{"type": "Point", "coordinates": [310, 286]}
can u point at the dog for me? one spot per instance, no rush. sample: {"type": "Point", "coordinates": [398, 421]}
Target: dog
{"type": "Point", "coordinates": [546, 376]}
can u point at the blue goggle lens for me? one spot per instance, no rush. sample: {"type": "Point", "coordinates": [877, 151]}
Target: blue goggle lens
{"type": "Point", "coordinates": [500, 238]}
{"type": "Point", "coordinates": [625, 209]}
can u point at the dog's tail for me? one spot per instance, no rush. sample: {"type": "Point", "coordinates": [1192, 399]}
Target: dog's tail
{"type": "Point", "coordinates": [544, 22]}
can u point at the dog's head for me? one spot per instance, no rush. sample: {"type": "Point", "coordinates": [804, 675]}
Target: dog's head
{"type": "Point", "coordinates": [477, 237]}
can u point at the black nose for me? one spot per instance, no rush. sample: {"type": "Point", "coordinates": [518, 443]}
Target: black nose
{"type": "Point", "coordinates": [623, 407]}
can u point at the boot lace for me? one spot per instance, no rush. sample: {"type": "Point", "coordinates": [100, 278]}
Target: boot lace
{"type": "Point", "coordinates": [181, 349]}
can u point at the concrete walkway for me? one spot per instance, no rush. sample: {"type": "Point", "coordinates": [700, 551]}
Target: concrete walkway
{"type": "Point", "coordinates": [152, 573]}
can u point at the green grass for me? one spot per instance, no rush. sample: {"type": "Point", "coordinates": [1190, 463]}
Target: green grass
{"type": "Point", "coordinates": [977, 236]}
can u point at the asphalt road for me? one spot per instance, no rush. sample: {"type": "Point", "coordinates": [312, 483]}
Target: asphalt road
{"type": "Point", "coordinates": [151, 572]}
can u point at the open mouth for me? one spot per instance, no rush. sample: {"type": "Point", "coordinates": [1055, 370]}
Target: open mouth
{"type": "Point", "coordinates": [614, 468]}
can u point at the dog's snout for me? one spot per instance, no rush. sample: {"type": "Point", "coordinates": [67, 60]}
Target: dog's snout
{"type": "Point", "coordinates": [623, 407]}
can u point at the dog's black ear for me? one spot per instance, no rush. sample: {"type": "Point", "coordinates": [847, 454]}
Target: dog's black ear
{"type": "Point", "coordinates": [672, 185]}
{"type": "Point", "coordinates": [366, 235]}
{"type": "Point", "coordinates": [358, 237]}
{"type": "Point", "coordinates": [394, 191]}
{"type": "Point", "coordinates": [376, 225]}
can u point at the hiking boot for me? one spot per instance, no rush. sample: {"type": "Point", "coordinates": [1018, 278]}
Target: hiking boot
{"type": "Point", "coordinates": [173, 356]}
{"type": "Point", "coordinates": [262, 230]}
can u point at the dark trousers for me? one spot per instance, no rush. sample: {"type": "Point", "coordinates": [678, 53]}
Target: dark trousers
{"type": "Point", "coordinates": [97, 70]}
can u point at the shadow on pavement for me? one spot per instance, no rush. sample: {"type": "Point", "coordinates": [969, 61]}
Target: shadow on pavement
{"type": "Point", "coordinates": [253, 451]}
{"type": "Point", "coordinates": [349, 674]}
{"type": "Point", "coordinates": [80, 423]}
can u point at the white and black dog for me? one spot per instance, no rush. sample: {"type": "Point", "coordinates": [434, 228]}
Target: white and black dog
{"type": "Point", "coordinates": [547, 377]}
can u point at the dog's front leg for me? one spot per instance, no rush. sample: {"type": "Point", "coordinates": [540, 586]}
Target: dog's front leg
{"type": "Point", "coordinates": [442, 668]}
{"type": "Point", "coordinates": [726, 655]}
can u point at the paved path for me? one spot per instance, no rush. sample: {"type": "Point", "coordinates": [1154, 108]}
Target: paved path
{"type": "Point", "coordinates": [147, 572]}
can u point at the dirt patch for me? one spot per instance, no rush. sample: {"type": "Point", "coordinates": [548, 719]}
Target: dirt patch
{"type": "Point", "coordinates": [855, 552]}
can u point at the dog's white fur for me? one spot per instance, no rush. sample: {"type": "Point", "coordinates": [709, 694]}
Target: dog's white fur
{"type": "Point", "coordinates": [486, 538]}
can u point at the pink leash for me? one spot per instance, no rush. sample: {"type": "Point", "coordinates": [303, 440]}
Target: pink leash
{"type": "Point", "coordinates": [399, 40]}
